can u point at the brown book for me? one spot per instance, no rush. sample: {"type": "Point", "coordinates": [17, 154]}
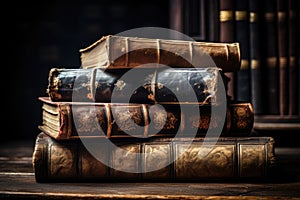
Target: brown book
{"type": "Point", "coordinates": [227, 35]}
{"type": "Point", "coordinates": [242, 77]}
{"type": "Point", "coordinates": [115, 52]}
{"type": "Point", "coordinates": [292, 49]}
{"type": "Point", "coordinates": [283, 47]}
{"type": "Point", "coordinates": [136, 86]}
{"type": "Point", "coordinates": [255, 56]}
{"type": "Point", "coordinates": [212, 20]}
{"type": "Point", "coordinates": [176, 19]}
{"type": "Point", "coordinates": [69, 120]}
{"type": "Point", "coordinates": [159, 159]}
{"type": "Point", "coordinates": [194, 19]}
{"type": "Point", "coordinates": [270, 56]}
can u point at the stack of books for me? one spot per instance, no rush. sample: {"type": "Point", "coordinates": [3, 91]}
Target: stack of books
{"type": "Point", "coordinates": [148, 109]}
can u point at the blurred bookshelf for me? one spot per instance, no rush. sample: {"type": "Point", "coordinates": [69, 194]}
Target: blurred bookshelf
{"type": "Point", "coordinates": [269, 36]}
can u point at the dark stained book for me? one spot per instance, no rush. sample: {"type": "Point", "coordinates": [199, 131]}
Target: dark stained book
{"type": "Point", "coordinates": [69, 120]}
{"type": "Point", "coordinates": [115, 52]}
{"type": "Point", "coordinates": [255, 57]}
{"type": "Point", "coordinates": [298, 53]}
{"type": "Point", "coordinates": [176, 18]}
{"type": "Point", "coordinates": [292, 50]}
{"type": "Point", "coordinates": [212, 20]}
{"type": "Point", "coordinates": [136, 85]}
{"type": "Point", "coordinates": [283, 42]}
{"type": "Point", "coordinates": [194, 19]}
{"type": "Point", "coordinates": [242, 85]}
{"type": "Point", "coordinates": [270, 61]}
{"type": "Point", "coordinates": [159, 159]}
{"type": "Point", "coordinates": [227, 35]}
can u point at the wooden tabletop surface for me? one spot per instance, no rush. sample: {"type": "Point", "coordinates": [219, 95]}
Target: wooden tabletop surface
{"type": "Point", "coordinates": [17, 181]}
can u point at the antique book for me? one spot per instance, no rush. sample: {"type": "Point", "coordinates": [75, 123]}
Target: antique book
{"type": "Point", "coordinates": [176, 18]}
{"type": "Point", "coordinates": [227, 35]}
{"type": "Point", "coordinates": [194, 19]}
{"type": "Point", "coordinates": [68, 120]}
{"type": "Point", "coordinates": [114, 52]}
{"type": "Point", "coordinates": [136, 85]}
{"type": "Point", "coordinates": [292, 49]}
{"type": "Point", "coordinates": [212, 20]}
{"type": "Point", "coordinates": [283, 42]}
{"type": "Point", "coordinates": [155, 159]}
{"type": "Point", "coordinates": [270, 61]}
{"type": "Point", "coordinates": [298, 55]}
{"type": "Point", "coordinates": [242, 85]}
{"type": "Point", "coordinates": [255, 57]}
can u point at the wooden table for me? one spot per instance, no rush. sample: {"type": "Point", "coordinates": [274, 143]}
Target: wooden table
{"type": "Point", "coordinates": [17, 181]}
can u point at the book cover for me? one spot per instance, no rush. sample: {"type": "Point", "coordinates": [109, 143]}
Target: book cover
{"type": "Point", "coordinates": [136, 86]}
{"type": "Point", "coordinates": [68, 120]}
{"type": "Point", "coordinates": [116, 52]}
{"type": "Point", "coordinates": [182, 159]}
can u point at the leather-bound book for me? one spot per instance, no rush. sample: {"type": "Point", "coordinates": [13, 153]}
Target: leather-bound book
{"type": "Point", "coordinates": [194, 19]}
{"type": "Point", "coordinates": [298, 53]}
{"type": "Point", "coordinates": [283, 43]}
{"type": "Point", "coordinates": [255, 56]}
{"type": "Point", "coordinates": [270, 60]}
{"type": "Point", "coordinates": [212, 20]}
{"type": "Point", "coordinates": [153, 159]}
{"type": "Point", "coordinates": [136, 86]}
{"type": "Point", "coordinates": [69, 120]}
{"type": "Point", "coordinates": [176, 19]}
{"type": "Point", "coordinates": [115, 52]}
{"type": "Point", "coordinates": [227, 34]}
{"type": "Point", "coordinates": [292, 50]}
{"type": "Point", "coordinates": [242, 85]}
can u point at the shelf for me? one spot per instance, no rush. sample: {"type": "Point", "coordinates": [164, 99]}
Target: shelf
{"type": "Point", "coordinates": [276, 123]}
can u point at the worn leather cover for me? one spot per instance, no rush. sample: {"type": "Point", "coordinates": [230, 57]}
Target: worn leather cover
{"type": "Point", "coordinates": [232, 158]}
{"type": "Point", "coordinates": [114, 52]}
{"type": "Point", "coordinates": [141, 86]}
{"type": "Point", "coordinates": [66, 120]}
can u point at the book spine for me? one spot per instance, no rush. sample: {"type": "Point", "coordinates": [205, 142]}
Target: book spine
{"type": "Point", "coordinates": [282, 27]}
{"type": "Point", "coordinates": [298, 53]}
{"type": "Point", "coordinates": [40, 158]}
{"type": "Point", "coordinates": [227, 30]}
{"type": "Point", "coordinates": [196, 19]}
{"type": "Point", "coordinates": [255, 54]}
{"type": "Point", "coordinates": [271, 56]}
{"type": "Point", "coordinates": [176, 19]}
{"type": "Point", "coordinates": [141, 120]}
{"type": "Point", "coordinates": [212, 20]}
{"type": "Point", "coordinates": [126, 52]}
{"type": "Point", "coordinates": [242, 36]}
{"type": "Point", "coordinates": [194, 25]}
{"type": "Point", "coordinates": [70, 161]}
{"type": "Point", "coordinates": [293, 97]}
{"type": "Point", "coordinates": [147, 86]}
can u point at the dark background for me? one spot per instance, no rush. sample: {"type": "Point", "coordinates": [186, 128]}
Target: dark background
{"type": "Point", "coordinates": [41, 35]}
{"type": "Point", "coordinates": [46, 34]}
